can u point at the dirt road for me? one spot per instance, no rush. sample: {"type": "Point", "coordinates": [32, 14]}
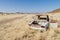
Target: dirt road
{"type": "Point", "coordinates": [9, 20]}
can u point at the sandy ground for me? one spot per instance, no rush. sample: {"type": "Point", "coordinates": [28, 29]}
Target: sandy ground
{"type": "Point", "coordinates": [15, 27]}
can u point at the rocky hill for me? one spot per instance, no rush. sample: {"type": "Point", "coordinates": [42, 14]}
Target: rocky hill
{"type": "Point", "coordinates": [55, 11]}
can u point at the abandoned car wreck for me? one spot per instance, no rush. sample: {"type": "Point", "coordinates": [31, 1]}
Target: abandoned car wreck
{"type": "Point", "coordinates": [42, 22]}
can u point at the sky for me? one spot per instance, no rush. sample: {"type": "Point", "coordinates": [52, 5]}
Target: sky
{"type": "Point", "coordinates": [29, 5]}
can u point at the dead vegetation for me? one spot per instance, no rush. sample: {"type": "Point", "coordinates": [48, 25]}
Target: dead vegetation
{"type": "Point", "coordinates": [18, 29]}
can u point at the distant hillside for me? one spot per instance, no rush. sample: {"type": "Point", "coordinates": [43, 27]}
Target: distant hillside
{"type": "Point", "coordinates": [55, 11]}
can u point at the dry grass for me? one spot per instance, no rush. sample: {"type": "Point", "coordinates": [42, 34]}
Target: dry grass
{"type": "Point", "coordinates": [18, 29]}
